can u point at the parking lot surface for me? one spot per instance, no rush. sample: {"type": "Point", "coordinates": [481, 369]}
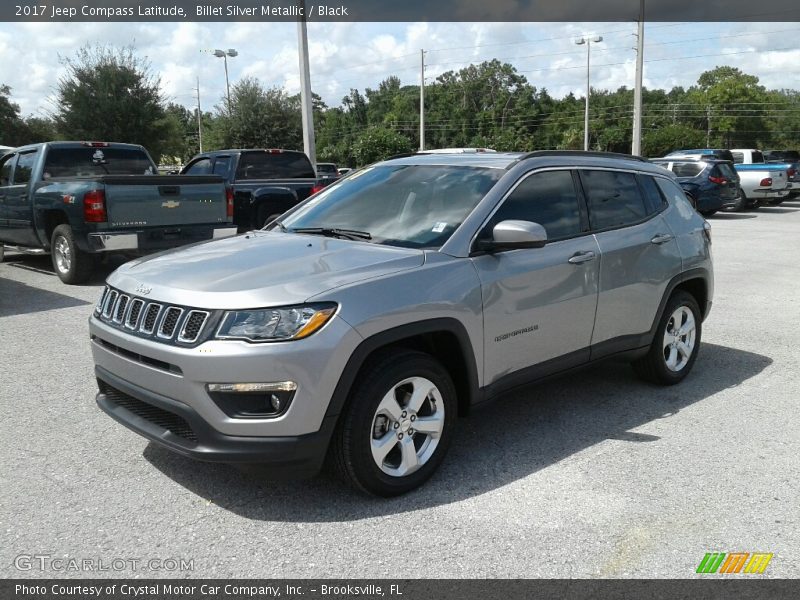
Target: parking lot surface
{"type": "Point", "coordinates": [593, 475]}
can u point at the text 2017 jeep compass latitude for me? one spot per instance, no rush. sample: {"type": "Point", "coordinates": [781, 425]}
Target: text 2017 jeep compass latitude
{"type": "Point", "coordinates": [369, 317]}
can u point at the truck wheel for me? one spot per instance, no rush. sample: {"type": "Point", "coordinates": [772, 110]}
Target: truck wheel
{"type": "Point", "coordinates": [741, 202]}
{"type": "Point", "coordinates": [398, 424]}
{"type": "Point", "coordinates": [267, 213]}
{"type": "Point", "coordinates": [71, 264]}
{"type": "Point", "coordinates": [676, 343]}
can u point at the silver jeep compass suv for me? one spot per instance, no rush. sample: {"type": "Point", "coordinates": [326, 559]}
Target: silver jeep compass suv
{"type": "Point", "coordinates": [363, 322]}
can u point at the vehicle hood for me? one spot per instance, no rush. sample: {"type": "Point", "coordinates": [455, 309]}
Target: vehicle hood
{"type": "Point", "coordinates": [259, 269]}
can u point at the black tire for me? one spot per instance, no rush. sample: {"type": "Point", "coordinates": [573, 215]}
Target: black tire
{"type": "Point", "coordinates": [2, 252]}
{"type": "Point", "coordinates": [351, 451]}
{"type": "Point", "coordinates": [708, 213]}
{"type": "Point", "coordinates": [741, 202]}
{"type": "Point", "coordinates": [775, 202]}
{"type": "Point", "coordinates": [267, 213]}
{"type": "Point", "coordinates": [653, 366]}
{"type": "Point", "coordinates": [79, 264]}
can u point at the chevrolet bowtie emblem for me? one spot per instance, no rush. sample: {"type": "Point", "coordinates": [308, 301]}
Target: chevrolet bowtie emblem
{"type": "Point", "coordinates": [170, 204]}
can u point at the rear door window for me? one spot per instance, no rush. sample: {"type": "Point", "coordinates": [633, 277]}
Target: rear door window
{"type": "Point", "coordinates": [653, 199]}
{"type": "Point", "coordinates": [24, 169]}
{"type": "Point", "coordinates": [221, 165]}
{"type": "Point", "coordinates": [614, 198]}
{"type": "Point", "coordinates": [274, 165]}
{"type": "Point", "coordinates": [757, 156]}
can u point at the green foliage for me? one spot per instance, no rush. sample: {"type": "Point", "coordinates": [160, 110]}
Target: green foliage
{"type": "Point", "coordinates": [258, 118]}
{"type": "Point", "coordinates": [110, 94]}
{"type": "Point", "coordinates": [379, 143]}
{"type": "Point", "coordinates": [660, 141]}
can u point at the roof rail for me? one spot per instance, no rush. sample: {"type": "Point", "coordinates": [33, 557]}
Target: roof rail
{"type": "Point", "coordinates": [543, 153]}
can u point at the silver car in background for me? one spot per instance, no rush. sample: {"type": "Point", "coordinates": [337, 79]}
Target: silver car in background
{"type": "Point", "coordinates": [364, 321]}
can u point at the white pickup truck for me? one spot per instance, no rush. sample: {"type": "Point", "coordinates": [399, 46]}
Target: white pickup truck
{"type": "Point", "coordinates": [762, 182]}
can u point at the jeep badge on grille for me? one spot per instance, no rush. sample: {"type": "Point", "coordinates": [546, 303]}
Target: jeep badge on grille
{"type": "Point", "coordinates": [143, 289]}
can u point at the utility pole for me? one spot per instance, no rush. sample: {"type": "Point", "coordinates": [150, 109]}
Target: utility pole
{"type": "Point", "coordinates": [421, 100]}
{"type": "Point", "coordinates": [199, 117]}
{"type": "Point", "coordinates": [708, 129]}
{"type": "Point", "coordinates": [637, 93]}
{"type": "Point", "coordinates": [306, 106]}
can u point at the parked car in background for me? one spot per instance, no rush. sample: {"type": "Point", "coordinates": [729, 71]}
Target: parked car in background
{"type": "Point", "coordinates": [327, 173]}
{"type": "Point", "coordinates": [458, 151]}
{"type": "Point", "coordinates": [81, 200]}
{"type": "Point", "coordinates": [710, 183]}
{"type": "Point", "coordinates": [262, 184]}
{"type": "Point", "coordinates": [792, 159]}
{"type": "Point", "coordinates": [367, 320]}
{"type": "Point", "coordinates": [759, 182]}
{"type": "Point", "coordinates": [342, 171]}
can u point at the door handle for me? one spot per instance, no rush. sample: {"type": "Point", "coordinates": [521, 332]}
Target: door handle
{"type": "Point", "coordinates": [581, 257]}
{"type": "Point", "coordinates": [662, 238]}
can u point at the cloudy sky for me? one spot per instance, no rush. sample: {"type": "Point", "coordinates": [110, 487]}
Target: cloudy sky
{"type": "Point", "coordinates": [360, 55]}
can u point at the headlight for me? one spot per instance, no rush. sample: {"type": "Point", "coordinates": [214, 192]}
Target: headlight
{"type": "Point", "coordinates": [274, 324]}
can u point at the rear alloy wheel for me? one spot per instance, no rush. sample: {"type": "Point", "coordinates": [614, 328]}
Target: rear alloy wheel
{"type": "Point", "coordinates": [397, 427]}
{"type": "Point", "coordinates": [676, 343]}
{"type": "Point", "coordinates": [71, 264]}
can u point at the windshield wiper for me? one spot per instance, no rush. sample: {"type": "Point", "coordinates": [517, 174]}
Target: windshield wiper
{"type": "Point", "coordinates": [349, 234]}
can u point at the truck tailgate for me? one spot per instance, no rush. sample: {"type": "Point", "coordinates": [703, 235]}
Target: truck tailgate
{"type": "Point", "coordinates": [158, 201]}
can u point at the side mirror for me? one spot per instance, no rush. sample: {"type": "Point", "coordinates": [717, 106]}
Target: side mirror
{"type": "Point", "coordinates": [514, 235]}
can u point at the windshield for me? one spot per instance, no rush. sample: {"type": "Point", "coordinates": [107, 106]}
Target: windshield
{"type": "Point", "coordinates": [92, 162]}
{"type": "Point", "coordinates": [414, 206]}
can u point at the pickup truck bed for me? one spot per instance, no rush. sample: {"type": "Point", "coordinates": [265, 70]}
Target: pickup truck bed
{"type": "Point", "coordinates": [55, 198]}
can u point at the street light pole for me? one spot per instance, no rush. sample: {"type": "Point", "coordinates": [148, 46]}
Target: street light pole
{"type": "Point", "coordinates": [636, 148]}
{"type": "Point", "coordinates": [224, 55]}
{"type": "Point", "coordinates": [199, 118]}
{"type": "Point", "coordinates": [306, 105]}
{"type": "Point", "coordinates": [588, 41]}
{"type": "Point", "coordinates": [422, 101]}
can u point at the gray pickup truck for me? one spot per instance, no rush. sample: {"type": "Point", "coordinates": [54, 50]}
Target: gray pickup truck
{"type": "Point", "coordinates": [81, 200]}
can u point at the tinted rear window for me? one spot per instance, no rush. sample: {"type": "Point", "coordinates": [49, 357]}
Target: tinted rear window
{"type": "Point", "coordinates": [757, 157]}
{"type": "Point", "coordinates": [267, 165]}
{"type": "Point", "coordinates": [323, 168]}
{"type": "Point", "coordinates": [738, 157]}
{"type": "Point", "coordinates": [727, 171]}
{"type": "Point", "coordinates": [687, 169]}
{"type": "Point", "coordinates": [92, 162]}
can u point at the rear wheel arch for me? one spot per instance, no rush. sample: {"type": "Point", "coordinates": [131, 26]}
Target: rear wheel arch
{"type": "Point", "coordinates": [51, 219]}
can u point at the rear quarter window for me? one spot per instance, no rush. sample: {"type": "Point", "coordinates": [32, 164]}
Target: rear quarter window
{"type": "Point", "coordinates": [687, 169]}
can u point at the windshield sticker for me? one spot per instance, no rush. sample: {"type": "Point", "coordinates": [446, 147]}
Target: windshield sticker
{"type": "Point", "coordinates": [98, 157]}
{"type": "Point", "coordinates": [439, 227]}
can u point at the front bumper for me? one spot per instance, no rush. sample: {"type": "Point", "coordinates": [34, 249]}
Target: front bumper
{"type": "Point", "coordinates": [180, 428]}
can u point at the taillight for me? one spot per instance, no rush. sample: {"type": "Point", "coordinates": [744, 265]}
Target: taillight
{"type": "Point", "coordinates": [766, 182]}
{"type": "Point", "coordinates": [717, 180]}
{"type": "Point", "coordinates": [317, 188]}
{"type": "Point", "coordinates": [229, 201]}
{"type": "Point", "coordinates": [94, 207]}
{"type": "Point", "coordinates": [96, 144]}
{"type": "Point", "coordinates": [791, 173]}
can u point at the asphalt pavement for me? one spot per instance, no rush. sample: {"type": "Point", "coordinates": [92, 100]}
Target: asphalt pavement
{"type": "Point", "coordinates": [594, 475]}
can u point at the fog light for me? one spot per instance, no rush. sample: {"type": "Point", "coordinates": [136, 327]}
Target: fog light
{"type": "Point", "coordinates": [252, 400]}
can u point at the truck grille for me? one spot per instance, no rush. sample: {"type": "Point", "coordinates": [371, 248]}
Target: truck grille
{"type": "Point", "coordinates": [153, 414]}
{"type": "Point", "coordinates": [153, 320]}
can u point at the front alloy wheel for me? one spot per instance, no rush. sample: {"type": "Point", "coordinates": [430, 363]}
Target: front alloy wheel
{"type": "Point", "coordinates": [407, 427]}
{"type": "Point", "coordinates": [397, 425]}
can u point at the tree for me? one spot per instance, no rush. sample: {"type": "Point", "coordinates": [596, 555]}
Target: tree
{"type": "Point", "coordinates": [379, 143]}
{"type": "Point", "coordinates": [12, 127]}
{"type": "Point", "coordinates": [661, 141]}
{"type": "Point", "coordinates": [110, 94]}
{"type": "Point", "coordinates": [259, 118]}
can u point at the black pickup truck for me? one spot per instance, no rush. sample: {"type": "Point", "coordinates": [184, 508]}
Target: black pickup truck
{"type": "Point", "coordinates": [264, 183]}
{"type": "Point", "coordinates": [80, 200]}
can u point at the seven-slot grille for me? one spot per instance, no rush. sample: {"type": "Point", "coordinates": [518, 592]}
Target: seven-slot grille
{"type": "Point", "coordinates": [151, 319]}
